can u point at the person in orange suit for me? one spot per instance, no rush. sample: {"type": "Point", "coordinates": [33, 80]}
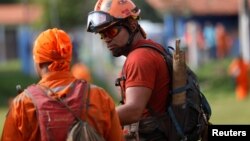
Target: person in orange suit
{"type": "Point", "coordinates": [52, 54]}
{"type": "Point", "coordinates": [238, 69]}
{"type": "Point", "coordinates": [81, 71]}
{"type": "Point", "coordinates": [221, 41]}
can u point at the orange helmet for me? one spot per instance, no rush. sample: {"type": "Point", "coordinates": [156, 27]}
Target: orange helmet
{"type": "Point", "coordinates": [109, 12]}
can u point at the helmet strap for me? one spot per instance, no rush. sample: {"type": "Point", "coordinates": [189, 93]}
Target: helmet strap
{"type": "Point", "coordinates": [131, 31]}
{"type": "Point", "coordinates": [131, 36]}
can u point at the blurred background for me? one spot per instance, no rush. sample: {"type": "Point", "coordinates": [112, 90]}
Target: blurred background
{"type": "Point", "coordinates": [213, 33]}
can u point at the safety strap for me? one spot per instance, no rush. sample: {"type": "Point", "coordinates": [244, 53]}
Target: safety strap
{"type": "Point", "coordinates": [87, 104]}
{"type": "Point", "coordinates": [118, 83]}
{"type": "Point", "coordinates": [184, 88]}
{"type": "Point", "coordinates": [166, 53]}
{"type": "Point", "coordinates": [176, 124]}
{"type": "Point", "coordinates": [62, 102]}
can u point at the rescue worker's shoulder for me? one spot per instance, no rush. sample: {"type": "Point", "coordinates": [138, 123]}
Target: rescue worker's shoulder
{"type": "Point", "coordinates": [145, 57]}
{"type": "Point", "coordinates": [20, 103]}
{"type": "Point", "coordinates": [22, 99]}
{"type": "Point", "coordinates": [99, 91]}
{"type": "Point", "coordinates": [142, 53]}
{"type": "Point", "coordinates": [101, 98]}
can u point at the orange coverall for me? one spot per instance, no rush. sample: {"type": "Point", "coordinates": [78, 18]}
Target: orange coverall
{"type": "Point", "coordinates": [81, 71]}
{"type": "Point", "coordinates": [54, 47]}
{"type": "Point", "coordinates": [239, 70]}
{"type": "Point", "coordinates": [21, 122]}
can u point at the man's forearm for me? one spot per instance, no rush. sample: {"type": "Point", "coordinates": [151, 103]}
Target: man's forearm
{"type": "Point", "coordinates": [127, 114]}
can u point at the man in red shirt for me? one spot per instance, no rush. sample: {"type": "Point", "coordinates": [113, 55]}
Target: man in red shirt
{"type": "Point", "coordinates": [144, 79]}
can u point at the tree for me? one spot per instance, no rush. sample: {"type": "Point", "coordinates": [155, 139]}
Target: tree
{"type": "Point", "coordinates": [66, 13]}
{"type": "Point", "coordinates": [8, 1]}
{"type": "Point", "coordinates": [70, 13]}
{"type": "Point", "coordinates": [148, 12]}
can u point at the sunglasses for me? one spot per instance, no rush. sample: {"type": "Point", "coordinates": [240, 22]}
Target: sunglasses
{"type": "Point", "coordinates": [110, 32]}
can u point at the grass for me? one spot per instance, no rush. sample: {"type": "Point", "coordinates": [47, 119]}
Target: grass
{"type": "Point", "coordinates": [226, 110]}
{"type": "Point", "coordinates": [10, 76]}
{"type": "Point", "coordinates": [3, 111]}
{"type": "Point", "coordinates": [216, 85]}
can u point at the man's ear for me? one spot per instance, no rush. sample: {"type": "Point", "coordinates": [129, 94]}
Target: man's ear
{"type": "Point", "coordinates": [44, 66]}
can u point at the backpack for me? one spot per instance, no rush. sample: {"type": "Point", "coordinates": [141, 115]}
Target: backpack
{"type": "Point", "coordinates": [185, 122]}
{"type": "Point", "coordinates": [59, 119]}
{"type": "Point", "coordinates": [190, 120]}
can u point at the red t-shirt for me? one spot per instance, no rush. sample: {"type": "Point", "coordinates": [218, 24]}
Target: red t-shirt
{"type": "Point", "coordinates": [145, 67]}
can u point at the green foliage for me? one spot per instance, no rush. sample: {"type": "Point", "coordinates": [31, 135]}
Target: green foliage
{"type": "Point", "coordinates": [8, 1]}
{"type": "Point", "coordinates": [10, 76]}
{"type": "Point", "coordinates": [67, 13]}
{"type": "Point", "coordinates": [70, 13]}
{"type": "Point", "coordinates": [219, 89]}
{"type": "Point", "coordinates": [148, 12]}
{"type": "Point", "coordinates": [3, 112]}
{"type": "Point", "coordinates": [214, 78]}
{"type": "Point", "coordinates": [74, 13]}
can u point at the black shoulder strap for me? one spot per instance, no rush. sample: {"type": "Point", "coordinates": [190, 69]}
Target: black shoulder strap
{"type": "Point", "coordinates": [165, 53]}
{"type": "Point", "coordinates": [168, 57]}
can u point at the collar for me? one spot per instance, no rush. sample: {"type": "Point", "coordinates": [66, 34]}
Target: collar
{"type": "Point", "coordinates": [55, 79]}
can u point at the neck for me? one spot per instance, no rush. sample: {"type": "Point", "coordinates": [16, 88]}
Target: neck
{"type": "Point", "coordinates": [137, 37]}
{"type": "Point", "coordinates": [43, 69]}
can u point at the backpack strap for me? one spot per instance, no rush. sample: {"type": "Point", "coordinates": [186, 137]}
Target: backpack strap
{"type": "Point", "coordinates": [45, 103]}
{"type": "Point", "coordinates": [29, 91]}
{"type": "Point", "coordinates": [164, 53]}
{"type": "Point", "coordinates": [184, 88]}
{"type": "Point", "coordinates": [176, 123]}
{"type": "Point", "coordinates": [118, 83]}
{"type": "Point", "coordinates": [87, 104]}
{"type": "Point", "coordinates": [167, 55]}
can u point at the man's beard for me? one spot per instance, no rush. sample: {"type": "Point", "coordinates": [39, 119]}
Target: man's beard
{"type": "Point", "coordinates": [117, 52]}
